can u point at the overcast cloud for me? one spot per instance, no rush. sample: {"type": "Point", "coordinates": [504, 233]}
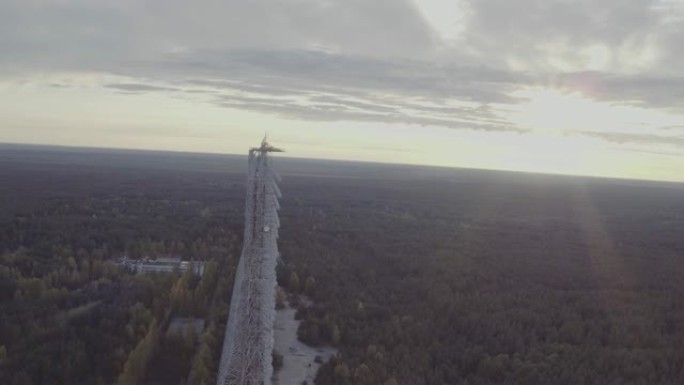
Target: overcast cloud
{"type": "Point", "coordinates": [362, 60]}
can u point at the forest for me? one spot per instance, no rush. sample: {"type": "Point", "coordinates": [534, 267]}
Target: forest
{"type": "Point", "coordinates": [417, 275]}
{"type": "Point", "coordinates": [69, 314]}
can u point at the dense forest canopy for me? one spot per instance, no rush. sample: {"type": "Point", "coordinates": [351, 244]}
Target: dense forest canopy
{"type": "Point", "coordinates": [69, 314]}
{"type": "Point", "coordinates": [418, 275]}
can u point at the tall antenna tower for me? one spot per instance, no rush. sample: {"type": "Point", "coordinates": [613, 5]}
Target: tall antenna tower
{"type": "Point", "coordinates": [248, 343]}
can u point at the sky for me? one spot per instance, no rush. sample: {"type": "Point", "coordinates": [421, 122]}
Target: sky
{"type": "Point", "coordinates": [588, 87]}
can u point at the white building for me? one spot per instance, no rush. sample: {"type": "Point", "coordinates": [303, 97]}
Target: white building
{"type": "Point", "coordinates": [161, 265]}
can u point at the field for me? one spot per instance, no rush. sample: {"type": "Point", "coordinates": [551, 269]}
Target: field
{"type": "Point", "coordinates": [419, 275]}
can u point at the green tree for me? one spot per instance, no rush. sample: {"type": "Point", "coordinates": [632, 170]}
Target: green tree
{"type": "Point", "coordinates": [342, 373]}
{"type": "Point", "coordinates": [293, 284]}
{"type": "Point", "coordinates": [281, 297]}
{"type": "Point", "coordinates": [309, 286]}
{"type": "Point", "coordinates": [71, 262]}
{"type": "Point", "coordinates": [202, 364]}
{"type": "Point", "coordinates": [134, 368]}
{"type": "Point", "coordinates": [335, 335]}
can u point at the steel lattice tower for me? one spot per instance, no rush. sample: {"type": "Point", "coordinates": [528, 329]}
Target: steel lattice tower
{"type": "Point", "coordinates": [248, 343]}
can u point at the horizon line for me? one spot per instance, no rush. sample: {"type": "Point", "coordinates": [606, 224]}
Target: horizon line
{"type": "Point", "coordinates": [608, 177]}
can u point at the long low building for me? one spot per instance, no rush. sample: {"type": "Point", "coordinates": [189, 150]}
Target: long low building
{"type": "Point", "coordinates": [162, 265]}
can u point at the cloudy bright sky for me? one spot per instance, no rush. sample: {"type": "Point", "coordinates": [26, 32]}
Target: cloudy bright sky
{"type": "Point", "coordinates": [593, 87]}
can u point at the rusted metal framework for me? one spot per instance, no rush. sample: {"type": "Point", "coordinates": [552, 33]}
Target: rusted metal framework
{"type": "Point", "coordinates": [248, 343]}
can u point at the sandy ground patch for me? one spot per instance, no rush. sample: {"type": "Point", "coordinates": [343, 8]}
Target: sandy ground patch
{"type": "Point", "coordinates": [298, 358]}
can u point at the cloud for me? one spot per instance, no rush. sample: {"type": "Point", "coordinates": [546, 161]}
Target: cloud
{"type": "Point", "coordinates": [138, 87]}
{"type": "Point", "coordinates": [298, 71]}
{"type": "Point", "coordinates": [562, 35]}
{"type": "Point", "coordinates": [643, 139]}
{"type": "Point", "coordinates": [108, 36]}
{"type": "Point", "coordinates": [675, 153]}
{"type": "Point", "coordinates": [242, 86]}
{"type": "Point", "coordinates": [358, 60]}
{"type": "Point", "coordinates": [321, 86]}
{"type": "Point", "coordinates": [388, 149]}
{"type": "Point", "coordinates": [647, 90]}
{"type": "Point", "coordinates": [316, 85]}
{"type": "Point", "coordinates": [353, 104]}
{"type": "Point", "coordinates": [336, 112]}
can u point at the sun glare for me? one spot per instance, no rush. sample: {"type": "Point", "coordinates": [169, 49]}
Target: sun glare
{"type": "Point", "coordinates": [556, 111]}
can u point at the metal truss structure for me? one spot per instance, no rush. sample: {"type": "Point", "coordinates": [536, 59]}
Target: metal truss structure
{"type": "Point", "coordinates": [248, 343]}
